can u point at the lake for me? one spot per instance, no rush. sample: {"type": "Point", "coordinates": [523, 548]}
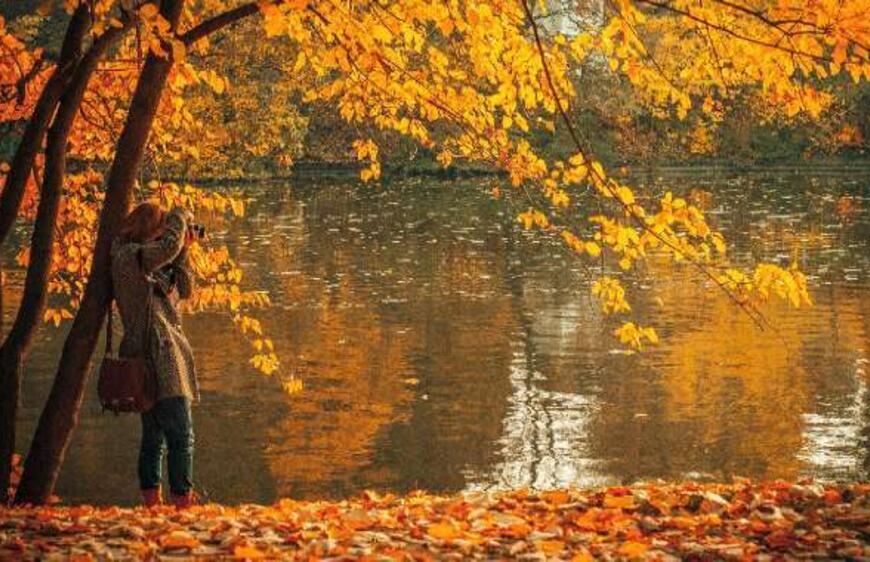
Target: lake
{"type": "Point", "coordinates": [444, 348]}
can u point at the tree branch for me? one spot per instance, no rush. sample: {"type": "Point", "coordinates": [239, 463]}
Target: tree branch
{"type": "Point", "coordinates": [220, 21]}
{"type": "Point", "coordinates": [755, 315]}
{"type": "Point", "coordinates": [21, 85]}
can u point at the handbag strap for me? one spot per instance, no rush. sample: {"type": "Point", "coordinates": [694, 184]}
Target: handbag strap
{"type": "Point", "coordinates": [109, 327]}
{"type": "Point", "coordinates": [148, 312]}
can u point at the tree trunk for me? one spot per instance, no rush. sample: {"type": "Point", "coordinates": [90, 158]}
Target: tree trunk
{"type": "Point", "coordinates": [15, 347]}
{"type": "Point", "coordinates": [22, 163]}
{"type": "Point", "coordinates": [60, 414]}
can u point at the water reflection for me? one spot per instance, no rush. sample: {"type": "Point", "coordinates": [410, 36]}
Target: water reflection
{"type": "Point", "coordinates": [444, 348]}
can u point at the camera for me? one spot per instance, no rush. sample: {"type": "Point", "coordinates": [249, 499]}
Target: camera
{"type": "Point", "coordinates": [196, 229]}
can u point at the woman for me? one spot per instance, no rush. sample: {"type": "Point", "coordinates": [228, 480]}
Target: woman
{"type": "Point", "coordinates": [150, 254]}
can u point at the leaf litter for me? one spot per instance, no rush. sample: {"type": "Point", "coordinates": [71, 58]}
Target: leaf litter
{"type": "Point", "coordinates": [738, 521]}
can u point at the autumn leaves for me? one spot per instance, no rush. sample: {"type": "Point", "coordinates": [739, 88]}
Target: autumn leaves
{"type": "Point", "coordinates": [743, 520]}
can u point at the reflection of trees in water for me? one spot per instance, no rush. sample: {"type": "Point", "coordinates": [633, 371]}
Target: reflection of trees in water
{"type": "Point", "coordinates": [460, 321]}
{"type": "Point", "coordinates": [329, 331]}
{"type": "Point", "coordinates": [375, 287]}
{"type": "Point", "coordinates": [379, 293]}
{"type": "Point", "coordinates": [716, 398]}
{"type": "Point", "coordinates": [354, 368]}
{"type": "Point", "coordinates": [761, 404]}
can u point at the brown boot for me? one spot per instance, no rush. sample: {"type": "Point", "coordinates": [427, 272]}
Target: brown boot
{"type": "Point", "coordinates": [189, 499]}
{"type": "Point", "coordinates": [152, 497]}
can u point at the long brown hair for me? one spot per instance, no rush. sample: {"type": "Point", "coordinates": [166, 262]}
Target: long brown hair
{"type": "Point", "coordinates": [143, 223]}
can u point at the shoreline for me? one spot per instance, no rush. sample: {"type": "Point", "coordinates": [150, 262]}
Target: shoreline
{"type": "Point", "coordinates": [350, 170]}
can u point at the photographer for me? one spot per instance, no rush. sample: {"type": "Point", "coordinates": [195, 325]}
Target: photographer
{"type": "Point", "coordinates": [150, 273]}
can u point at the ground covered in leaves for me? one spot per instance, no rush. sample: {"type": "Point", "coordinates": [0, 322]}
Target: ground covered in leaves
{"type": "Point", "coordinates": [712, 521]}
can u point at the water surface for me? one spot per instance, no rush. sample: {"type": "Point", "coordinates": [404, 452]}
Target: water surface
{"type": "Point", "coordinates": [444, 348]}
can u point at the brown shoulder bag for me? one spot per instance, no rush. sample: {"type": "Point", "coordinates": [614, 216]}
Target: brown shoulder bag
{"type": "Point", "coordinates": [127, 384]}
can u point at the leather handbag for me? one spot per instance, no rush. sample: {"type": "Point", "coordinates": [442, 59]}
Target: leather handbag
{"type": "Point", "coordinates": [127, 384]}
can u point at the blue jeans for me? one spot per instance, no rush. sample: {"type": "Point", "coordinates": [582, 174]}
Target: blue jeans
{"type": "Point", "coordinates": [168, 422]}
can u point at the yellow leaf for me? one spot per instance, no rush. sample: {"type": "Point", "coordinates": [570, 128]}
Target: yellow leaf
{"type": "Point", "coordinates": [381, 33]}
{"type": "Point", "coordinates": [292, 386]}
{"type": "Point", "coordinates": [625, 195]}
{"type": "Point", "coordinates": [593, 249]}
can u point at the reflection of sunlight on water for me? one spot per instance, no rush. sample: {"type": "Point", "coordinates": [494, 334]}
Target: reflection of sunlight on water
{"type": "Point", "coordinates": [544, 443]}
{"type": "Point", "coordinates": [545, 434]}
{"type": "Point", "coordinates": [833, 443]}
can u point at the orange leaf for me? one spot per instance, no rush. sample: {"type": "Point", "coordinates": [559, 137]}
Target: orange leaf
{"type": "Point", "coordinates": [248, 552]}
{"type": "Point", "coordinates": [832, 497]}
{"type": "Point", "coordinates": [442, 531]}
{"type": "Point", "coordinates": [621, 502]}
{"type": "Point", "coordinates": [550, 548]}
{"type": "Point", "coordinates": [632, 549]}
{"type": "Point", "coordinates": [179, 540]}
{"type": "Point", "coordinates": [556, 497]}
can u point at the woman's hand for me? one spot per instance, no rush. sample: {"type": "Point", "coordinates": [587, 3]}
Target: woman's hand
{"type": "Point", "coordinates": [187, 217]}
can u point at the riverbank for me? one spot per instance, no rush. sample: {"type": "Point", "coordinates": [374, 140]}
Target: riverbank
{"type": "Point", "coordinates": [709, 521]}
{"type": "Point", "coordinates": [349, 170]}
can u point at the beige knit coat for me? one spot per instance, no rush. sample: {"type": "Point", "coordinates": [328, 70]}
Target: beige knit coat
{"type": "Point", "coordinates": [169, 353]}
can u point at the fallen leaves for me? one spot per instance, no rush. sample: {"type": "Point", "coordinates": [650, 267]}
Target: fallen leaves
{"type": "Point", "coordinates": [743, 520]}
{"type": "Point", "coordinates": [248, 553]}
{"type": "Point", "coordinates": [179, 540]}
{"type": "Point", "coordinates": [620, 502]}
{"type": "Point", "coordinates": [443, 531]}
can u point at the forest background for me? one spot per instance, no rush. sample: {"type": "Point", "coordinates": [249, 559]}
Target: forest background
{"type": "Point", "coordinates": [618, 126]}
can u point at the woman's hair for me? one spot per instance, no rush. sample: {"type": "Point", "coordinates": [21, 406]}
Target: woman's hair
{"type": "Point", "coordinates": [143, 223]}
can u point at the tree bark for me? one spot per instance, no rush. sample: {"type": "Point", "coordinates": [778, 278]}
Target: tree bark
{"type": "Point", "coordinates": [15, 347]}
{"type": "Point", "coordinates": [34, 133]}
{"type": "Point", "coordinates": [60, 414]}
